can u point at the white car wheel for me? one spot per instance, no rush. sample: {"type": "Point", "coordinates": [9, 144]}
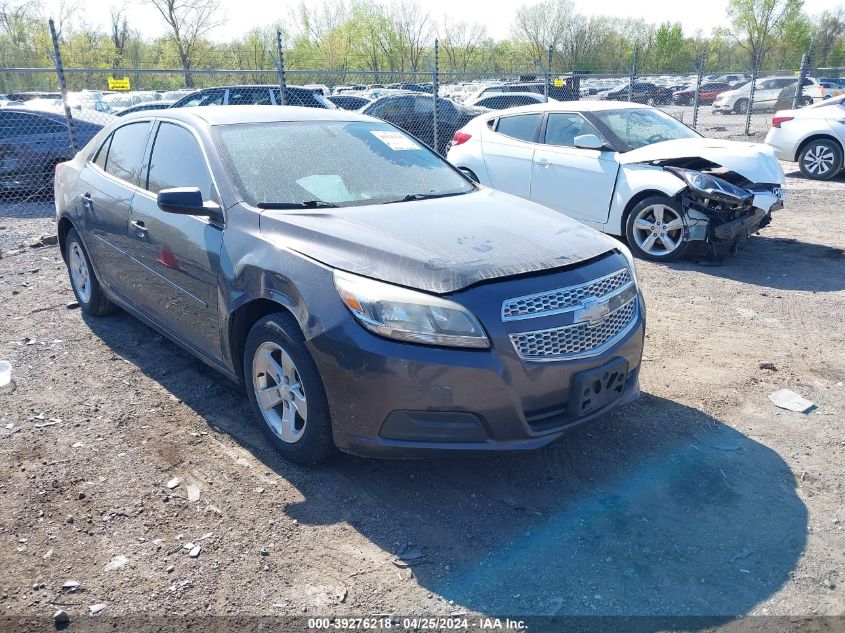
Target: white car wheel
{"type": "Point", "coordinates": [655, 229]}
{"type": "Point", "coordinates": [820, 159]}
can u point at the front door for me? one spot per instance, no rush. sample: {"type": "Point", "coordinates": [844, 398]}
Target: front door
{"type": "Point", "coordinates": [176, 257]}
{"type": "Point", "coordinates": [577, 182]}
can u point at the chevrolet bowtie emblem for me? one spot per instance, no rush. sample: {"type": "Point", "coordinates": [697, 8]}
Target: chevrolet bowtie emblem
{"type": "Point", "coordinates": [593, 311]}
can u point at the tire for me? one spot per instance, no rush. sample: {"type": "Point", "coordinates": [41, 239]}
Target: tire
{"type": "Point", "coordinates": [651, 101]}
{"type": "Point", "coordinates": [86, 288]}
{"type": "Point", "coordinates": [820, 159]}
{"type": "Point", "coordinates": [275, 359]}
{"type": "Point", "coordinates": [741, 106]}
{"type": "Point", "coordinates": [654, 242]}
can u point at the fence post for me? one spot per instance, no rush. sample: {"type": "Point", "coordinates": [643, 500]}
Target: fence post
{"type": "Point", "coordinates": [698, 80]}
{"type": "Point", "coordinates": [435, 88]}
{"type": "Point", "coordinates": [633, 73]}
{"type": "Point", "coordinates": [60, 72]}
{"type": "Point", "coordinates": [548, 73]}
{"type": "Point", "coordinates": [281, 68]}
{"type": "Point", "coordinates": [751, 93]}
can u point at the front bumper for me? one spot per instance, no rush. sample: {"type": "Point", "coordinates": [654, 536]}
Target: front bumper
{"type": "Point", "coordinates": [393, 399]}
{"type": "Point", "coordinates": [723, 107]}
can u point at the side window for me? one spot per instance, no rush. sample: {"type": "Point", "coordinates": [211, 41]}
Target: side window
{"type": "Point", "coordinates": [521, 126]}
{"type": "Point", "coordinates": [249, 96]}
{"type": "Point", "coordinates": [126, 151]}
{"type": "Point", "coordinates": [423, 105]}
{"type": "Point", "coordinates": [205, 98]}
{"type": "Point", "coordinates": [102, 154]}
{"type": "Point", "coordinates": [178, 161]}
{"type": "Point", "coordinates": [562, 128]}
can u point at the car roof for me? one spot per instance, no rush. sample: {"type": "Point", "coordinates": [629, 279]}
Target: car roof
{"type": "Point", "coordinates": [575, 106]}
{"type": "Point", "coordinates": [229, 115]}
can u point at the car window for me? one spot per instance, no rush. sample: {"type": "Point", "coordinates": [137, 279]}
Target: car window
{"type": "Point", "coordinates": [21, 124]}
{"type": "Point", "coordinates": [205, 98]}
{"type": "Point", "coordinates": [423, 105]}
{"type": "Point", "coordinates": [391, 108]}
{"type": "Point", "coordinates": [521, 126]}
{"type": "Point", "coordinates": [249, 96]}
{"type": "Point", "coordinates": [563, 127]}
{"type": "Point", "coordinates": [102, 154]}
{"type": "Point", "coordinates": [370, 163]}
{"type": "Point", "coordinates": [126, 151]}
{"type": "Point", "coordinates": [638, 127]}
{"type": "Point", "coordinates": [178, 161]}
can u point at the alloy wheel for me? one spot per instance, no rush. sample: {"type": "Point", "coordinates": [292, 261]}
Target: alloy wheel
{"type": "Point", "coordinates": [658, 230]}
{"type": "Point", "coordinates": [279, 392]}
{"type": "Point", "coordinates": [819, 160]}
{"type": "Point", "coordinates": [80, 276]}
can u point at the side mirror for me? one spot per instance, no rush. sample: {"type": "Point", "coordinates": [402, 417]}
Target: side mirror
{"type": "Point", "coordinates": [186, 201]}
{"type": "Point", "coordinates": [589, 141]}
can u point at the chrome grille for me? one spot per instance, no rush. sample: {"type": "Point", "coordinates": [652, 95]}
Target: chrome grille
{"type": "Point", "coordinates": [580, 339]}
{"type": "Point", "coordinates": [563, 299]}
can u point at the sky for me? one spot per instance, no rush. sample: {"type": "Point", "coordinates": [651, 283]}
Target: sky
{"type": "Point", "coordinates": [242, 15]}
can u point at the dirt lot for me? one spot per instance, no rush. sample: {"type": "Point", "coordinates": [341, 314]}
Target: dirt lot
{"type": "Point", "coordinates": [701, 498]}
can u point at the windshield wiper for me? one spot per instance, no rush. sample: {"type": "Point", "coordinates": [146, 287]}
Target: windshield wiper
{"type": "Point", "coordinates": [426, 196]}
{"type": "Point", "coordinates": [307, 204]}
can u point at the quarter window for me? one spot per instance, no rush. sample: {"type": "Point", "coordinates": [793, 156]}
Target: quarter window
{"type": "Point", "coordinates": [178, 161]}
{"type": "Point", "coordinates": [522, 126]}
{"type": "Point", "coordinates": [102, 154]}
{"type": "Point", "coordinates": [126, 151]}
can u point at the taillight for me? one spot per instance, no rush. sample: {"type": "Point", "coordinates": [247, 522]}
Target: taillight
{"type": "Point", "coordinates": [781, 119]}
{"type": "Point", "coordinates": [460, 138]}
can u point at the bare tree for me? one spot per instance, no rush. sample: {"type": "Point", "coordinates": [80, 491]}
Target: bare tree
{"type": "Point", "coordinates": [189, 22]}
{"type": "Point", "coordinates": [542, 25]}
{"type": "Point", "coordinates": [829, 29]}
{"type": "Point", "coordinates": [461, 42]}
{"type": "Point", "coordinates": [119, 34]}
{"type": "Point", "coordinates": [413, 30]}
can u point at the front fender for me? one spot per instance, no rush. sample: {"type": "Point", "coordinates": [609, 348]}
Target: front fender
{"type": "Point", "coordinates": [636, 179]}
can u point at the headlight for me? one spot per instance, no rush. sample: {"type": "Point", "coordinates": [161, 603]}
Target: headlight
{"type": "Point", "coordinates": [407, 315]}
{"type": "Point", "coordinates": [711, 187]}
{"type": "Point", "coordinates": [630, 257]}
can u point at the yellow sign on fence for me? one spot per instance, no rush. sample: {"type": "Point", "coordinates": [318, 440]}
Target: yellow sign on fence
{"type": "Point", "coordinates": [560, 83]}
{"type": "Point", "coordinates": [119, 84]}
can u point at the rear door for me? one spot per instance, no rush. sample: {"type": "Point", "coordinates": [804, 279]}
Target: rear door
{"type": "Point", "coordinates": [176, 256]}
{"type": "Point", "coordinates": [509, 151]}
{"type": "Point", "coordinates": [106, 186]}
{"type": "Point", "coordinates": [577, 182]}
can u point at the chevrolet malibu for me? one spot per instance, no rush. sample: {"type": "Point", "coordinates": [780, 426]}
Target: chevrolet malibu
{"type": "Point", "coordinates": [366, 294]}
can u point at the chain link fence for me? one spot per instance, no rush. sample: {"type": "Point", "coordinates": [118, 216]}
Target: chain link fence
{"type": "Point", "coordinates": [47, 114]}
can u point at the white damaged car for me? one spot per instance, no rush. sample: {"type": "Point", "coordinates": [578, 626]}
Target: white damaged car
{"type": "Point", "coordinates": [628, 170]}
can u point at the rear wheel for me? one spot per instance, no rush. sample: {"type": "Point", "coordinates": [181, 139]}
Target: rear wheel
{"type": "Point", "coordinates": [820, 159]}
{"type": "Point", "coordinates": [89, 294]}
{"type": "Point", "coordinates": [655, 229]}
{"type": "Point", "coordinates": [286, 391]}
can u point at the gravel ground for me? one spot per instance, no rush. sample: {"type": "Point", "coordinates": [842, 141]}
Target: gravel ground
{"type": "Point", "coordinates": [701, 498]}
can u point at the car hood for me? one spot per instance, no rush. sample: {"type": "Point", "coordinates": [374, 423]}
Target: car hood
{"type": "Point", "coordinates": [440, 245]}
{"type": "Point", "coordinates": [754, 161]}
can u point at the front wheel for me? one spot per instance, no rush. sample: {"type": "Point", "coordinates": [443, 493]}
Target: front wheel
{"type": "Point", "coordinates": [655, 229]}
{"type": "Point", "coordinates": [286, 391]}
{"type": "Point", "coordinates": [741, 106]}
{"type": "Point", "coordinates": [820, 160]}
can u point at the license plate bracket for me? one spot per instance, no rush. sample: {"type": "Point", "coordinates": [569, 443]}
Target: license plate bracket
{"type": "Point", "coordinates": [596, 388]}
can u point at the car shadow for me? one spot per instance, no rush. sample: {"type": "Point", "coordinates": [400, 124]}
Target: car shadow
{"type": "Point", "coordinates": [759, 261]}
{"type": "Point", "coordinates": [656, 509]}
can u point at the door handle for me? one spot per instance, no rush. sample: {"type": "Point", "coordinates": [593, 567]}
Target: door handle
{"type": "Point", "coordinates": [86, 200]}
{"type": "Point", "coordinates": [139, 228]}
{"type": "Point", "coordinates": [543, 161]}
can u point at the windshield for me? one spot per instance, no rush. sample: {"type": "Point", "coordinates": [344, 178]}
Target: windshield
{"type": "Point", "coordinates": [639, 127]}
{"type": "Point", "coordinates": [335, 163]}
